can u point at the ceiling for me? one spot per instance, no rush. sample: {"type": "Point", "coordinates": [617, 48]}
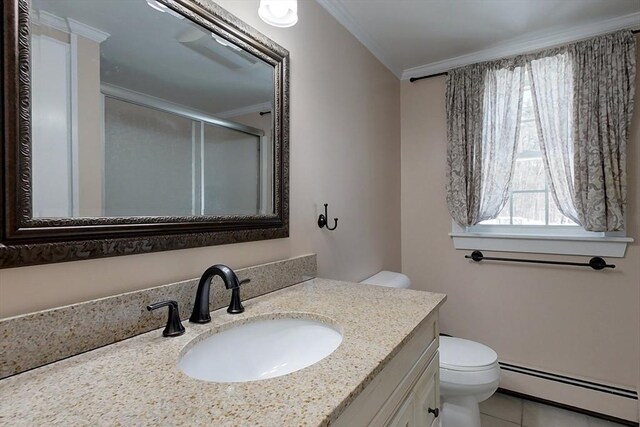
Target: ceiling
{"type": "Point", "coordinates": [420, 37]}
{"type": "Point", "coordinates": [173, 59]}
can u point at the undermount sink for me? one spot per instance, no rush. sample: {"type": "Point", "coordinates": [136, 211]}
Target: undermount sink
{"type": "Point", "coordinates": [260, 350]}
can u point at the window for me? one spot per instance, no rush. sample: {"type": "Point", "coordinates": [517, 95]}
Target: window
{"type": "Point", "coordinates": [530, 200]}
{"type": "Point", "coordinates": [530, 220]}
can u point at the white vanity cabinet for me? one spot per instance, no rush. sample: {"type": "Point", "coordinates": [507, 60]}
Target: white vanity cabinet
{"type": "Point", "coordinates": [406, 392]}
{"type": "Point", "coordinates": [422, 404]}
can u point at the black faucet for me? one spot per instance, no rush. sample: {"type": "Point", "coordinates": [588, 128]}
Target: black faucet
{"type": "Point", "coordinates": [200, 312]}
{"type": "Point", "coordinates": [174, 325]}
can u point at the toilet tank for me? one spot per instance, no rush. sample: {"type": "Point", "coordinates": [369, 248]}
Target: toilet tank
{"type": "Point", "coordinates": [390, 279]}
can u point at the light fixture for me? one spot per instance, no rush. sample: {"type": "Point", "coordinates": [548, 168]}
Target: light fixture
{"type": "Point", "coordinates": [219, 40]}
{"type": "Point", "coordinates": [279, 13]}
{"type": "Point", "coordinates": [224, 43]}
{"type": "Point", "coordinates": [162, 8]}
{"type": "Point", "coordinates": [157, 6]}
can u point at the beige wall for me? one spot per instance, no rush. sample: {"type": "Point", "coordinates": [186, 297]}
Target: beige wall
{"type": "Point", "coordinates": [43, 30]}
{"type": "Point", "coordinates": [90, 144]}
{"type": "Point", "coordinates": [345, 136]}
{"type": "Point", "coordinates": [347, 114]}
{"type": "Point", "coordinates": [568, 320]}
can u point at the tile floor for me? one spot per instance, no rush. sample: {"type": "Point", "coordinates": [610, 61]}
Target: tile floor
{"type": "Point", "coordinates": [506, 411]}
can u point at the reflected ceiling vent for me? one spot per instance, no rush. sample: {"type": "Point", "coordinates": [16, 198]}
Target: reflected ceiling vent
{"type": "Point", "coordinates": [216, 48]}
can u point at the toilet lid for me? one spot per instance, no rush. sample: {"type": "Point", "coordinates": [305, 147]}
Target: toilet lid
{"type": "Point", "coordinates": [459, 354]}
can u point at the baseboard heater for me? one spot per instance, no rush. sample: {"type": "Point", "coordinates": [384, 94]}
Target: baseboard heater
{"type": "Point", "coordinates": [576, 382]}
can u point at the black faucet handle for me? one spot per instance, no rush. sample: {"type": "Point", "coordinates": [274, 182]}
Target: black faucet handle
{"type": "Point", "coordinates": [174, 325]}
{"type": "Point", "coordinates": [235, 306]}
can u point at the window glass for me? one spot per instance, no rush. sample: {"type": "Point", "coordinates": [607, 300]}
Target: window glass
{"type": "Point", "coordinates": [528, 208]}
{"type": "Point", "coordinates": [530, 201]}
{"type": "Point", "coordinates": [529, 174]}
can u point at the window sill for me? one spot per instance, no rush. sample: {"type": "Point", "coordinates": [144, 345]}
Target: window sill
{"type": "Point", "coordinates": [542, 244]}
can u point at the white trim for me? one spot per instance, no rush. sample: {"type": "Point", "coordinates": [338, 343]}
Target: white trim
{"type": "Point", "coordinates": [53, 199]}
{"type": "Point", "coordinates": [42, 17]}
{"type": "Point", "coordinates": [103, 147]}
{"type": "Point", "coordinates": [339, 12]}
{"type": "Point", "coordinates": [561, 245]}
{"type": "Point", "coordinates": [73, 93]}
{"type": "Point", "coordinates": [605, 246]}
{"type": "Point", "coordinates": [527, 43]}
{"type": "Point", "coordinates": [580, 397]}
{"type": "Point", "coordinates": [202, 169]}
{"type": "Point", "coordinates": [84, 30]}
{"type": "Point", "coordinates": [194, 178]}
{"type": "Point", "coordinates": [256, 108]}
{"type": "Point", "coordinates": [265, 182]}
{"type": "Point", "coordinates": [534, 230]}
{"type": "Point", "coordinates": [560, 240]}
{"type": "Point", "coordinates": [68, 25]}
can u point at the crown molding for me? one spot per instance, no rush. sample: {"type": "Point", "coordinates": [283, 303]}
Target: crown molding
{"type": "Point", "coordinates": [340, 13]}
{"type": "Point", "coordinates": [68, 26]}
{"type": "Point", "coordinates": [42, 17]}
{"type": "Point", "coordinates": [527, 43]}
{"type": "Point", "coordinates": [83, 30]}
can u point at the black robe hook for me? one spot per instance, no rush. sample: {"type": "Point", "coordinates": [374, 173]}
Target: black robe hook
{"type": "Point", "coordinates": [323, 220]}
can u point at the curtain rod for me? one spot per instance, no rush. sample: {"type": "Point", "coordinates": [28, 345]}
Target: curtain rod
{"type": "Point", "coordinates": [444, 73]}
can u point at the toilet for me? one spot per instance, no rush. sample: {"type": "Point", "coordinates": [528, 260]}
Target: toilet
{"type": "Point", "coordinates": [469, 371]}
{"type": "Point", "coordinates": [469, 374]}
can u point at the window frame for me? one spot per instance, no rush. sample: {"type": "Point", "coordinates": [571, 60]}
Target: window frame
{"type": "Point", "coordinates": [546, 239]}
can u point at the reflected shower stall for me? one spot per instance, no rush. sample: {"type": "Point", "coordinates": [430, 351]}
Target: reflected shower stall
{"type": "Point", "coordinates": [165, 161]}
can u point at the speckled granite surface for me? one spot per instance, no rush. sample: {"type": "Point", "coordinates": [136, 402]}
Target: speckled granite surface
{"type": "Point", "coordinates": [36, 339]}
{"type": "Point", "coordinates": [137, 382]}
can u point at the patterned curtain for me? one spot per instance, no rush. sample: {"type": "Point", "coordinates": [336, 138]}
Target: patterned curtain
{"type": "Point", "coordinates": [583, 99]}
{"type": "Point", "coordinates": [483, 114]}
{"type": "Point", "coordinates": [603, 105]}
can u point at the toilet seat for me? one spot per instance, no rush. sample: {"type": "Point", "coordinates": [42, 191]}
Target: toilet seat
{"type": "Point", "coordinates": [464, 355]}
{"type": "Point", "coordinates": [470, 378]}
{"type": "Point", "coordinates": [464, 362]}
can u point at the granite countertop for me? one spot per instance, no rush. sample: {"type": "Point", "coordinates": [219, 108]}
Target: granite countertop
{"type": "Point", "coordinates": [137, 381]}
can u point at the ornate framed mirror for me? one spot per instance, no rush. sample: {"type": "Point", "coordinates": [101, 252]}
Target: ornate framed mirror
{"type": "Point", "coordinates": [138, 126]}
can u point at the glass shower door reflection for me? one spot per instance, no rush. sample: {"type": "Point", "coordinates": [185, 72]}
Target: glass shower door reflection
{"type": "Point", "coordinates": [231, 178]}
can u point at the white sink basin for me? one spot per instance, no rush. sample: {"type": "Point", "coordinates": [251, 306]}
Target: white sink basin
{"type": "Point", "coordinates": [260, 350]}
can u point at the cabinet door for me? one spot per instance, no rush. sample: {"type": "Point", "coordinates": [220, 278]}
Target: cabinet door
{"type": "Point", "coordinates": [427, 396]}
{"type": "Point", "coordinates": [405, 417]}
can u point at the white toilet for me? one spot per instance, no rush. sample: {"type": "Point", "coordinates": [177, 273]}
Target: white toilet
{"type": "Point", "coordinates": [469, 374]}
{"type": "Point", "coordinates": [469, 371]}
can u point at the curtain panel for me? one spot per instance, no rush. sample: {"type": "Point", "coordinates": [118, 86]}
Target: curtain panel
{"type": "Point", "coordinates": [602, 110]}
{"type": "Point", "coordinates": [483, 112]}
{"type": "Point", "coordinates": [583, 101]}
